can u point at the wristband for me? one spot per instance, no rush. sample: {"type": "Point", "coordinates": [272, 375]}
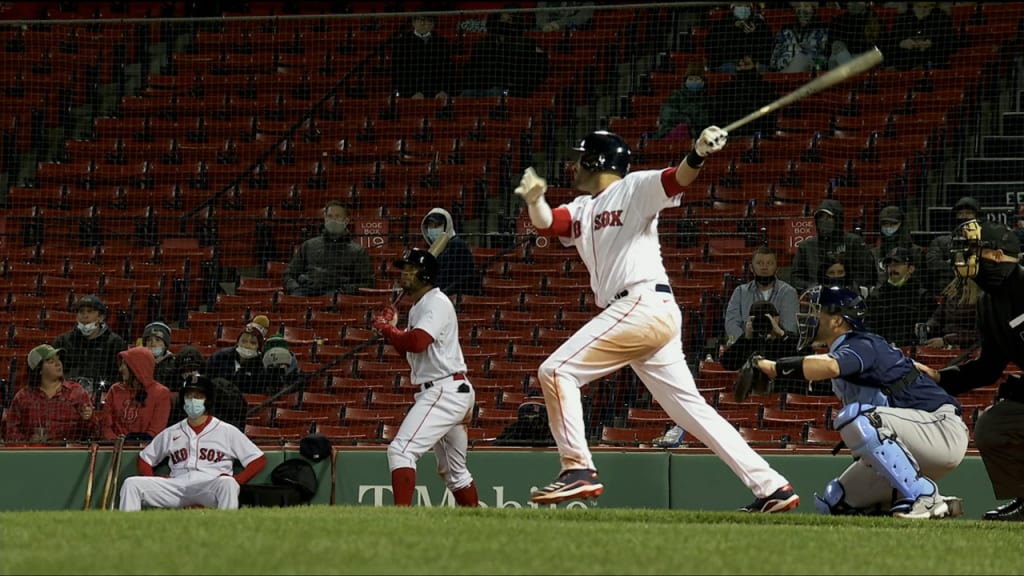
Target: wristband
{"type": "Point", "coordinates": [791, 367]}
{"type": "Point", "coordinates": [694, 160]}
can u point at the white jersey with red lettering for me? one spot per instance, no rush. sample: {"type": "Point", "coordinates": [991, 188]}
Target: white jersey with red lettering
{"type": "Point", "coordinates": [616, 234]}
{"type": "Point", "coordinates": [213, 450]}
{"type": "Point", "coordinates": [434, 313]}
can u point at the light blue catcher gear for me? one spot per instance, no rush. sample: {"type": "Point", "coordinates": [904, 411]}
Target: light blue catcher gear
{"type": "Point", "coordinates": [834, 500]}
{"type": "Point", "coordinates": [831, 300]}
{"type": "Point", "coordinates": [858, 425]}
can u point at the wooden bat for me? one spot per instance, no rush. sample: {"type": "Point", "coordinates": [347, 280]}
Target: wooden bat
{"type": "Point", "coordinates": [858, 65]}
{"type": "Point", "coordinates": [115, 460]}
{"type": "Point", "coordinates": [94, 449]}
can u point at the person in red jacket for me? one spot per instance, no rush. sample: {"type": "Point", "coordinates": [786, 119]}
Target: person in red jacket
{"type": "Point", "coordinates": [138, 406]}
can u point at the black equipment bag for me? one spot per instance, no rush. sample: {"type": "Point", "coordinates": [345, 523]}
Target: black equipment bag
{"type": "Point", "coordinates": [293, 483]}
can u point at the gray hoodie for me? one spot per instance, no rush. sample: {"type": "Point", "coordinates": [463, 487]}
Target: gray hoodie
{"type": "Point", "coordinates": [458, 273]}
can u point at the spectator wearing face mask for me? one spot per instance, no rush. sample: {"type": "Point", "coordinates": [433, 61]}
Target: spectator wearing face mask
{"type": "Point", "coordinates": [157, 337]}
{"type": "Point", "coordinates": [743, 35]}
{"type": "Point", "coordinates": [893, 232]}
{"type": "Point", "coordinates": [331, 262]}
{"type": "Point", "coordinates": [765, 287]}
{"type": "Point", "coordinates": [685, 113]}
{"type": "Point", "coordinates": [417, 57]}
{"type": "Point", "coordinates": [832, 242]}
{"type": "Point", "coordinates": [921, 36]}
{"type": "Point", "coordinates": [458, 272]}
{"type": "Point", "coordinates": [138, 406]}
{"type": "Point", "coordinates": [896, 306]}
{"type": "Point", "coordinates": [854, 31]}
{"type": "Point", "coordinates": [280, 365]}
{"type": "Point", "coordinates": [242, 364]}
{"type": "Point", "coordinates": [90, 349]}
{"type": "Point", "coordinates": [801, 45]}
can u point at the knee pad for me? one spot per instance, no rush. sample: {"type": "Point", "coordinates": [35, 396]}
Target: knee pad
{"type": "Point", "coordinates": [833, 500]}
{"type": "Point", "coordinates": [859, 426]}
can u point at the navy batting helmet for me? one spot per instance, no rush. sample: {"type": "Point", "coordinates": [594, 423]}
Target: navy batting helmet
{"type": "Point", "coordinates": [831, 300]}
{"type": "Point", "coordinates": [604, 151]}
{"type": "Point", "coordinates": [423, 260]}
{"type": "Point", "coordinates": [201, 383]}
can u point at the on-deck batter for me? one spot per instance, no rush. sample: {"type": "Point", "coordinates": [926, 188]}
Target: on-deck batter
{"type": "Point", "coordinates": [446, 398]}
{"type": "Point", "coordinates": [201, 451]}
{"type": "Point", "coordinates": [614, 227]}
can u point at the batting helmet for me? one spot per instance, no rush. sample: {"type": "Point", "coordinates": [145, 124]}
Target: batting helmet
{"type": "Point", "coordinates": [604, 151]}
{"type": "Point", "coordinates": [201, 383]}
{"type": "Point", "coordinates": [831, 300]}
{"type": "Point", "coordinates": [423, 260]}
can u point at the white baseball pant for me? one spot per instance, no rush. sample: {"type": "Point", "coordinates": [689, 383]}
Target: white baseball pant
{"type": "Point", "coordinates": [195, 487]}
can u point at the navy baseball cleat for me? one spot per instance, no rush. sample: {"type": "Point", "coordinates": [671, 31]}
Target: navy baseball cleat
{"type": "Point", "coordinates": [579, 484]}
{"type": "Point", "coordinates": [782, 500]}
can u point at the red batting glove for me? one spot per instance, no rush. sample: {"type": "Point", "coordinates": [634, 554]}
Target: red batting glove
{"type": "Point", "coordinates": [389, 314]}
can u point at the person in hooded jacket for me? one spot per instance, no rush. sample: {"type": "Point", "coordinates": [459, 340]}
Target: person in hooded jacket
{"type": "Point", "coordinates": [157, 337]}
{"type": "Point", "coordinates": [91, 347]}
{"type": "Point", "coordinates": [458, 272]}
{"type": "Point", "coordinates": [331, 262]}
{"type": "Point", "coordinates": [831, 242]}
{"type": "Point", "coordinates": [894, 233]}
{"type": "Point", "coordinates": [138, 406]}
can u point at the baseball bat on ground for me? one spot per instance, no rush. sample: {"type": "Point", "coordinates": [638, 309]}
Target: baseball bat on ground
{"type": "Point", "coordinates": [94, 449]}
{"type": "Point", "coordinates": [115, 461]}
{"type": "Point", "coordinates": [858, 65]}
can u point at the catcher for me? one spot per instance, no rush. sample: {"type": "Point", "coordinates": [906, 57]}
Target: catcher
{"type": "Point", "coordinates": [904, 431]}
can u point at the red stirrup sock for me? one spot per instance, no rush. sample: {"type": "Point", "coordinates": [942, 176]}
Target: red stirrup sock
{"type": "Point", "coordinates": [403, 485]}
{"type": "Point", "coordinates": [467, 496]}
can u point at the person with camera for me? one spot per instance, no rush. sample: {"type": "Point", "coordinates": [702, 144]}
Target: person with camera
{"type": "Point", "coordinates": [989, 253]}
{"type": "Point", "coordinates": [763, 334]}
{"type": "Point", "coordinates": [765, 287]}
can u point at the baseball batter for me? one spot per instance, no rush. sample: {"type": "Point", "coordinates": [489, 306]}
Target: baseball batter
{"type": "Point", "coordinates": [446, 398]}
{"type": "Point", "coordinates": [903, 430]}
{"type": "Point", "coordinates": [201, 451]}
{"type": "Point", "coordinates": [614, 227]}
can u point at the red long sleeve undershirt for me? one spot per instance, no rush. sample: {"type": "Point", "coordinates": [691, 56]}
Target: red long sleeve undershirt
{"type": "Point", "coordinates": [242, 477]}
{"type": "Point", "coordinates": [415, 340]}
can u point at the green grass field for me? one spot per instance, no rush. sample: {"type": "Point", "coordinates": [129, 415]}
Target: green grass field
{"type": "Point", "coordinates": [332, 540]}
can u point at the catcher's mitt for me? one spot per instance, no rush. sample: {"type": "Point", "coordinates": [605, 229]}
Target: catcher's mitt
{"type": "Point", "coordinates": [750, 379]}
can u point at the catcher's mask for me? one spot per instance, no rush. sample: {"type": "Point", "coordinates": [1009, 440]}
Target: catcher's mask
{"type": "Point", "coordinates": [965, 248]}
{"type": "Point", "coordinates": [831, 300]}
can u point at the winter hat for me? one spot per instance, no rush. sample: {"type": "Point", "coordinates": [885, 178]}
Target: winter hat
{"type": "Point", "coordinates": [258, 327]}
{"type": "Point", "coordinates": [189, 358]}
{"type": "Point", "coordinates": [276, 353]}
{"type": "Point", "coordinates": [92, 301]}
{"type": "Point", "coordinates": [158, 329]}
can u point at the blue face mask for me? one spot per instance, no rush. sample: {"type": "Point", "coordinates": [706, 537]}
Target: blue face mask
{"type": "Point", "coordinates": [741, 12]}
{"type": "Point", "coordinates": [890, 230]}
{"type": "Point", "coordinates": [433, 234]}
{"type": "Point", "coordinates": [195, 407]}
{"type": "Point", "coordinates": [157, 351]}
{"type": "Point", "coordinates": [694, 85]}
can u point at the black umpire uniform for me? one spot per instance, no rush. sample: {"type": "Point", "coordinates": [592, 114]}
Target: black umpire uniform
{"type": "Point", "coordinates": [998, 432]}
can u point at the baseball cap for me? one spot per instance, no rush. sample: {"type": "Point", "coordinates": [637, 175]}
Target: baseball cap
{"type": "Point", "coordinates": [890, 214]}
{"type": "Point", "coordinates": [40, 354]}
{"type": "Point", "coordinates": [967, 203]}
{"type": "Point", "coordinates": [899, 255]}
{"type": "Point", "coordinates": [998, 236]}
{"type": "Point", "coordinates": [92, 301]}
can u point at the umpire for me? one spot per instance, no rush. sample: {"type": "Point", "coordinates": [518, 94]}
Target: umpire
{"type": "Point", "coordinates": [989, 253]}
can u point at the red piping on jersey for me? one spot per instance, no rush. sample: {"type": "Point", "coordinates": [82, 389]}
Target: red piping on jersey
{"type": "Point", "coordinates": [425, 416]}
{"type": "Point", "coordinates": [554, 373]}
{"type": "Point", "coordinates": [670, 184]}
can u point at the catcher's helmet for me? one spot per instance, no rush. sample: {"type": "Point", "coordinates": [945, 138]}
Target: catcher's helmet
{"type": "Point", "coordinates": [831, 300]}
{"type": "Point", "coordinates": [201, 383]}
{"type": "Point", "coordinates": [604, 151]}
{"type": "Point", "coordinates": [423, 260]}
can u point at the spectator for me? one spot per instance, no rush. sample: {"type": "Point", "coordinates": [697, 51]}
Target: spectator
{"type": "Point", "coordinates": [201, 451]}
{"type": "Point", "coordinates": [505, 61]}
{"type": "Point", "coordinates": [801, 45]}
{"type": "Point", "coordinates": [50, 407]}
{"type": "Point", "coordinates": [90, 349]}
{"type": "Point", "coordinates": [458, 273]}
{"type": "Point", "coordinates": [331, 262]}
{"type": "Point", "coordinates": [763, 334]}
{"type": "Point", "coordinates": [685, 113]}
{"type": "Point", "coordinates": [854, 31]}
{"type": "Point", "coordinates": [834, 274]}
{"type": "Point", "coordinates": [417, 58]}
{"type": "Point", "coordinates": [572, 16]}
{"type": "Point", "coordinates": [832, 242]}
{"type": "Point", "coordinates": [1018, 223]}
{"type": "Point", "coordinates": [901, 302]}
{"type": "Point", "coordinates": [746, 90]}
{"type": "Point", "coordinates": [157, 337]}
{"type": "Point", "coordinates": [138, 406]}
{"type": "Point", "coordinates": [242, 364]}
{"type": "Point", "coordinates": [939, 269]}
{"type": "Point", "coordinates": [765, 287]}
{"type": "Point", "coordinates": [954, 322]}
{"type": "Point", "coordinates": [921, 37]}
{"type": "Point", "coordinates": [280, 365]}
{"type": "Point", "coordinates": [743, 36]}
{"type": "Point", "coordinates": [893, 233]}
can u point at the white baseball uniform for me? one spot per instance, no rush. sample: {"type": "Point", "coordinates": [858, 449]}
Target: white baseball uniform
{"type": "Point", "coordinates": [201, 468]}
{"type": "Point", "coordinates": [446, 399]}
{"type": "Point", "coordinates": [616, 235]}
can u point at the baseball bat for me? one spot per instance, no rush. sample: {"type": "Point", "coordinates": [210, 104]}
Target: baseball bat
{"type": "Point", "coordinates": [117, 472]}
{"type": "Point", "coordinates": [858, 65]}
{"type": "Point", "coordinates": [435, 250]}
{"type": "Point", "coordinates": [94, 449]}
{"type": "Point", "coordinates": [114, 457]}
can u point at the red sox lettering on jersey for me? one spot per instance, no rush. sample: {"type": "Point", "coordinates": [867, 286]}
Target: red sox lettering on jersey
{"type": "Point", "coordinates": [205, 454]}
